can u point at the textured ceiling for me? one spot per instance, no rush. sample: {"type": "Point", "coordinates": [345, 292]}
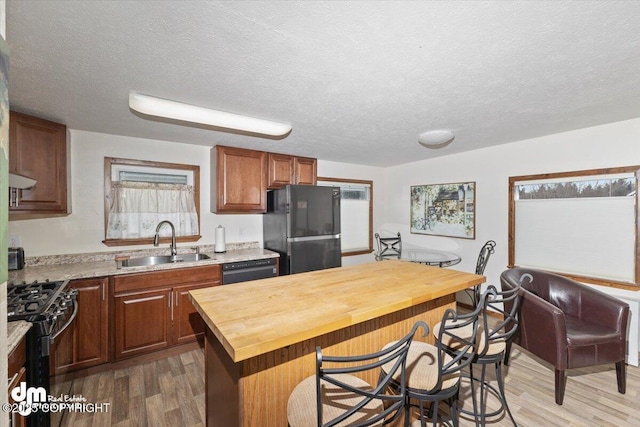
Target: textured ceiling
{"type": "Point", "coordinates": [358, 81]}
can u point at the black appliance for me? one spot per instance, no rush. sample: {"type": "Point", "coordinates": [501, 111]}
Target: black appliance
{"type": "Point", "coordinates": [243, 271]}
{"type": "Point", "coordinates": [302, 224]}
{"type": "Point", "coordinates": [16, 259]}
{"type": "Point", "coordinates": [50, 306]}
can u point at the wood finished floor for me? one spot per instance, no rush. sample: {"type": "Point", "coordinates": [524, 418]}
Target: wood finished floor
{"type": "Point", "coordinates": [170, 392]}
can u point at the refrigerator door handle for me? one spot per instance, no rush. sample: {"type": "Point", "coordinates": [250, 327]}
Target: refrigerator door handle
{"type": "Point", "coordinates": [311, 238]}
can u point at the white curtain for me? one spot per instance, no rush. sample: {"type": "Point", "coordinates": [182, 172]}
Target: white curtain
{"type": "Point", "coordinates": [138, 207]}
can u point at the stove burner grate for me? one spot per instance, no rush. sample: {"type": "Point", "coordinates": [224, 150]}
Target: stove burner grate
{"type": "Point", "coordinates": [25, 300]}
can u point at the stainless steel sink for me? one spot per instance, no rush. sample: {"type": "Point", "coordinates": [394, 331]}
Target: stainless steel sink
{"type": "Point", "coordinates": [165, 259]}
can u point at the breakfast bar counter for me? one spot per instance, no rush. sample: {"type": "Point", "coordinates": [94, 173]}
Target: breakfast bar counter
{"type": "Point", "coordinates": [261, 335]}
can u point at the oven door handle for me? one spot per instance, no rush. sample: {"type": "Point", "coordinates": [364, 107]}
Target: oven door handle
{"type": "Point", "coordinates": [66, 325]}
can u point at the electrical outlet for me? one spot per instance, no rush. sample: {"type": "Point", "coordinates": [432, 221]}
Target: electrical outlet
{"type": "Point", "coordinates": [15, 241]}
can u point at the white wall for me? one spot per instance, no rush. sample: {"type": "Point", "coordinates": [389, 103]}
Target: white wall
{"type": "Point", "coordinates": [616, 144]}
{"type": "Point", "coordinates": [83, 230]}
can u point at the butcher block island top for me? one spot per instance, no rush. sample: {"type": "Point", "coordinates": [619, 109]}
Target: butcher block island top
{"type": "Point", "coordinates": [253, 318]}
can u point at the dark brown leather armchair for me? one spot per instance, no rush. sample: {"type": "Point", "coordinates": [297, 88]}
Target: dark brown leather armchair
{"type": "Point", "coordinates": [568, 324]}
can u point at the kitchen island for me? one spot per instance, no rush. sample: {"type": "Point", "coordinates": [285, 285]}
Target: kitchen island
{"type": "Point", "coordinates": [261, 335]}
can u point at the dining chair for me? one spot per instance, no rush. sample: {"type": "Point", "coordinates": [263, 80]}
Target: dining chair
{"type": "Point", "coordinates": [388, 247]}
{"type": "Point", "coordinates": [433, 372]}
{"type": "Point", "coordinates": [336, 396]}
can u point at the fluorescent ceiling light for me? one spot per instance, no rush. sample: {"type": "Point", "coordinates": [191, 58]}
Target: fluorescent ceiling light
{"type": "Point", "coordinates": [191, 113]}
{"type": "Point", "coordinates": [436, 138]}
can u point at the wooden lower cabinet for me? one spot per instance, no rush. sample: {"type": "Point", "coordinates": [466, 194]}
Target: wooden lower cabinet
{"type": "Point", "coordinates": [142, 322]}
{"type": "Point", "coordinates": [17, 420]}
{"type": "Point", "coordinates": [187, 322]}
{"type": "Point", "coordinates": [152, 311]}
{"type": "Point", "coordinates": [17, 374]}
{"type": "Point", "coordinates": [85, 343]}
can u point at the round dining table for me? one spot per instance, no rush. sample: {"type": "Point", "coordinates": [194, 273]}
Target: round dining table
{"type": "Point", "coordinates": [425, 256]}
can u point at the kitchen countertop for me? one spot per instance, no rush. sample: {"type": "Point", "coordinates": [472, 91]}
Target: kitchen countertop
{"type": "Point", "coordinates": [86, 266]}
{"type": "Point", "coordinates": [253, 318]}
{"type": "Point", "coordinates": [15, 331]}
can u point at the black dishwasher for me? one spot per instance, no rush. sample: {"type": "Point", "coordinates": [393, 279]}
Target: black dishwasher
{"type": "Point", "coordinates": [242, 271]}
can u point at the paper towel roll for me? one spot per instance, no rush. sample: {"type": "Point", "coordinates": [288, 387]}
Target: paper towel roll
{"type": "Point", "coordinates": [219, 246]}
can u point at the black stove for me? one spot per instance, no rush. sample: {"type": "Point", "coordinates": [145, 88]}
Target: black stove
{"type": "Point", "coordinates": [29, 301]}
{"type": "Point", "coordinates": [50, 306]}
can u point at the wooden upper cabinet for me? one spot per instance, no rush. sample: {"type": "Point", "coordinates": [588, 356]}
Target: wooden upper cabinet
{"type": "Point", "coordinates": [285, 169]}
{"type": "Point", "coordinates": [280, 170]}
{"type": "Point", "coordinates": [38, 149]}
{"type": "Point", "coordinates": [305, 171]}
{"type": "Point", "coordinates": [238, 180]}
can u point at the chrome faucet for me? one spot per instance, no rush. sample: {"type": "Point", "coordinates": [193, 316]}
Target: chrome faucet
{"type": "Point", "coordinates": [156, 238]}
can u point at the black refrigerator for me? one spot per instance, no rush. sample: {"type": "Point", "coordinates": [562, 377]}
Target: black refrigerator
{"type": "Point", "coordinates": [302, 224]}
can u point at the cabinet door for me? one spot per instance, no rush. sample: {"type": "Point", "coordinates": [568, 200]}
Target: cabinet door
{"type": "Point", "coordinates": [280, 170]}
{"type": "Point", "coordinates": [239, 180]}
{"type": "Point", "coordinates": [187, 322]}
{"type": "Point", "coordinates": [38, 149]}
{"type": "Point", "coordinates": [305, 170]}
{"type": "Point", "coordinates": [85, 343]}
{"type": "Point", "coordinates": [17, 420]}
{"type": "Point", "coordinates": [142, 322]}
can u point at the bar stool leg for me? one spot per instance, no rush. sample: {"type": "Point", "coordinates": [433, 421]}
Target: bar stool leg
{"type": "Point", "coordinates": [503, 396]}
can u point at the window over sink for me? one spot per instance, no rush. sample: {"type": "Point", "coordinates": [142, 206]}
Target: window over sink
{"type": "Point", "coordinates": [140, 194]}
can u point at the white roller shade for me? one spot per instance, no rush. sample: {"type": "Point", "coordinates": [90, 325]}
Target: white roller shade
{"type": "Point", "coordinates": [585, 236]}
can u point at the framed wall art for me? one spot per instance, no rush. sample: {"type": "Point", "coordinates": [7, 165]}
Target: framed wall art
{"type": "Point", "coordinates": [444, 209]}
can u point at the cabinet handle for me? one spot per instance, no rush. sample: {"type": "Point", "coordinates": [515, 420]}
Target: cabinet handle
{"type": "Point", "coordinates": [171, 304]}
{"type": "Point", "coordinates": [169, 300]}
{"type": "Point", "coordinates": [176, 299]}
{"type": "Point", "coordinates": [103, 292]}
{"type": "Point", "coordinates": [13, 378]}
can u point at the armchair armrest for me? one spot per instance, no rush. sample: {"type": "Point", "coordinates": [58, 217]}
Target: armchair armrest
{"type": "Point", "coordinates": [543, 329]}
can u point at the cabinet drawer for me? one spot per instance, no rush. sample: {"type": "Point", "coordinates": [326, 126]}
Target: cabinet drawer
{"type": "Point", "coordinates": [165, 278]}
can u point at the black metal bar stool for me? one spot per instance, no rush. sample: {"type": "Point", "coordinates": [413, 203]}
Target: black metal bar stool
{"type": "Point", "coordinates": [483, 259]}
{"type": "Point", "coordinates": [493, 342]}
{"type": "Point", "coordinates": [433, 372]}
{"type": "Point", "coordinates": [335, 396]}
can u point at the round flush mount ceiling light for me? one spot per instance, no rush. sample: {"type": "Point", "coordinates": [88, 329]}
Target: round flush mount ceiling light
{"type": "Point", "coordinates": [436, 138]}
